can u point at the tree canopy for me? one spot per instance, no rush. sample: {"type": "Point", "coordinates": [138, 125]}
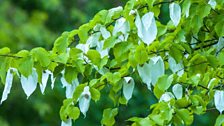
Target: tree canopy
{"type": "Point", "coordinates": [180, 61]}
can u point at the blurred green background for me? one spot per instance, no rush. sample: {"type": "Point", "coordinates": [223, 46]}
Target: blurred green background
{"type": "Point", "coordinates": [25, 24]}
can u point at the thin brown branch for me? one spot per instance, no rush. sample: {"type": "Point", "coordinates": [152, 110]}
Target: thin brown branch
{"type": "Point", "coordinates": [8, 55]}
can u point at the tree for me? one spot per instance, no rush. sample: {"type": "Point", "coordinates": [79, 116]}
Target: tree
{"type": "Point", "coordinates": [181, 62]}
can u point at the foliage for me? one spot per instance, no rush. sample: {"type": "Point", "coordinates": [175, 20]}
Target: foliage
{"type": "Point", "coordinates": [181, 62]}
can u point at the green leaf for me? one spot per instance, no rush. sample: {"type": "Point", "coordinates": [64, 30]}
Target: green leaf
{"type": "Point", "coordinates": [73, 112]}
{"type": "Point", "coordinates": [204, 10]}
{"type": "Point", "coordinates": [150, 3]}
{"type": "Point", "coordinates": [42, 56]}
{"type": "Point", "coordinates": [113, 78]}
{"type": "Point", "coordinates": [164, 82]}
{"type": "Point", "coordinates": [185, 115]}
{"type": "Point", "coordinates": [176, 53]}
{"type": "Point", "coordinates": [94, 56]}
{"type": "Point", "coordinates": [141, 54]}
{"type": "Point", "coordinates": [3, 69]}
{"type": "Point", "coordinates": [63, 110]}
{"type": "Point", "coordinates": [95, 94]}
{"type": "Point", "coordinates": [157, 92]}
{"type": "Point", "coordinates": [121, 51]}
{"type": "Point", "coordinates": [68, 110]}
{"type": "Point", "coordinates": [146, 121]}
{"type": "Point", "coordinates": [219, 28]}
{"type": "Point", "coordinates": [78, 91]}
{"type": "Point", "coordinates": [4, 50]}
{"type": "Point", "coordinates": [213, 61]}
{"type": "Point", "coordinates": [25, 66]}
{"type": "Point", "coordinates": [185, 7]}
{"type": "Point", "coordinates": [61, 58]}
{"type": "Point", "coordinates": [70, 74]}
{"type": "Point", "coordinates": [108, 116]}
{"type": "Point", "coordinates": [83, 33]}
{"type": "Point", "coordinates": [110, 42]}
{"type": "Point", "coordinates": [61, 43]}
{"type": "Point", "coordinates": [220, 120]}
{"type": "Point", "coordinates": [196, 24]}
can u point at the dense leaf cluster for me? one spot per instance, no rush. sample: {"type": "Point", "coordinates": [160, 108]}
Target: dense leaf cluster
{"type": "Point", "coordinates": [181, 62]}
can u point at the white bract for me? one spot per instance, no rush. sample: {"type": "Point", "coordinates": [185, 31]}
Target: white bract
{"type": "Point", "coordinates": [167, 96]}
{"type": "Point", "coordinates": [144, 73]}
{"type": "Point", "coordinates": [93, 39]}
{"type": "Point", "coordinates": [70, 88]}
{"type": "Point", "coordinates": [220, 45]}
{"type": "Point", "coordinates": [105, 33]}
{"type": "Point", "coordinates": [128, 87]}
{"type": "Point", "coordinates": [83, 47]}
{"type": "Point", "coordinates": [219, 100]}
{"type": "Point", "coordinates": [157, 69]}
{"type": "Point", "coordinates": [122, 26]}
{"type": "Point", "coordinates": [67, 122]}
{"type": "Point", "coordinates": [44, 79]}
{"type": "Point", "coordinates": [147, 29]}
{"type": "Point", "coordinates": [8, 83]}
{"type": "Point", "coordinates": [175, 13]}
{"type": "Point", "coordinates": [175, 67]}
{"type": "Point", "coordinates": [177, 91]}
{"type": "Point", "coordinates": [212, 3]}
{"type": "Point", "coordinates": [52, 78]}
{"type": "Point", "coordinates": [29, 83]}
{"type": "Point", "coordinates": [99, 48]}
{"type": "Point", "coordinates": [150, 72]}
{"type": "Point", "coordinates": [84, 100]}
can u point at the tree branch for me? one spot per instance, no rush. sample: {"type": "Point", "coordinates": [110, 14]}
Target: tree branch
{"type": "Point", "coordinates": [8, 55]}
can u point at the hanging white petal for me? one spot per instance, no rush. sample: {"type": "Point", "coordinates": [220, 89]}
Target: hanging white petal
{"type": "Point", "coordinates": [132, 12]}
{"type": "Point", "coordinates": [167, 96]}
{"type": "Point", "coordinates": [212, 3]}
{"type": "Point", "coordinates": [175, 67]}
{"type": "Point", "coordinates": [105, 33]}
{"type": "Point", "coordinates": [99, 48]}
{"type": "Point", "coordinates": [83, 47]}
{"type": "Point", "coordinates": [219, 100]}
{"type": "Point", "coordinates": [121, 25]}
{"type": "Point", "coordinates": [84, 100]}
{"type": "Point", "coordinates": [178, 91]}
{"type": "Point", "coordinates": [29, 84]}
{"type": "Point", "coordinates": [44, 79]}
{"type": "Point", "coordinates": [147, 29]}
{"type": "Point", "coordinates": [157, 69]}
{"type": "Point", "coordinates": [66, 123]}
{"type": "Point", "coordinates": [150, 72]}
{"type": "Point", "coordinates": [70, 88]}
{"type": "Point", "coordinates": [175, 13]}
{"type": "Point", "coordinates": [220, 45]}
{"type": "Point", "coordinates": [93, 39]}
{"type": "Point", "coordinates": [128, 87]}
{"type": "Point", "coordinates": [8, 84]}
{"type": "Point", "coordinates": [144, 73]}
{"type": "Point", "coordinates": [52, 78]}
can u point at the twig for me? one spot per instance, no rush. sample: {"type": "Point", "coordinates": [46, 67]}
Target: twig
{"type": "Point", "coordinates": [8, 55]}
